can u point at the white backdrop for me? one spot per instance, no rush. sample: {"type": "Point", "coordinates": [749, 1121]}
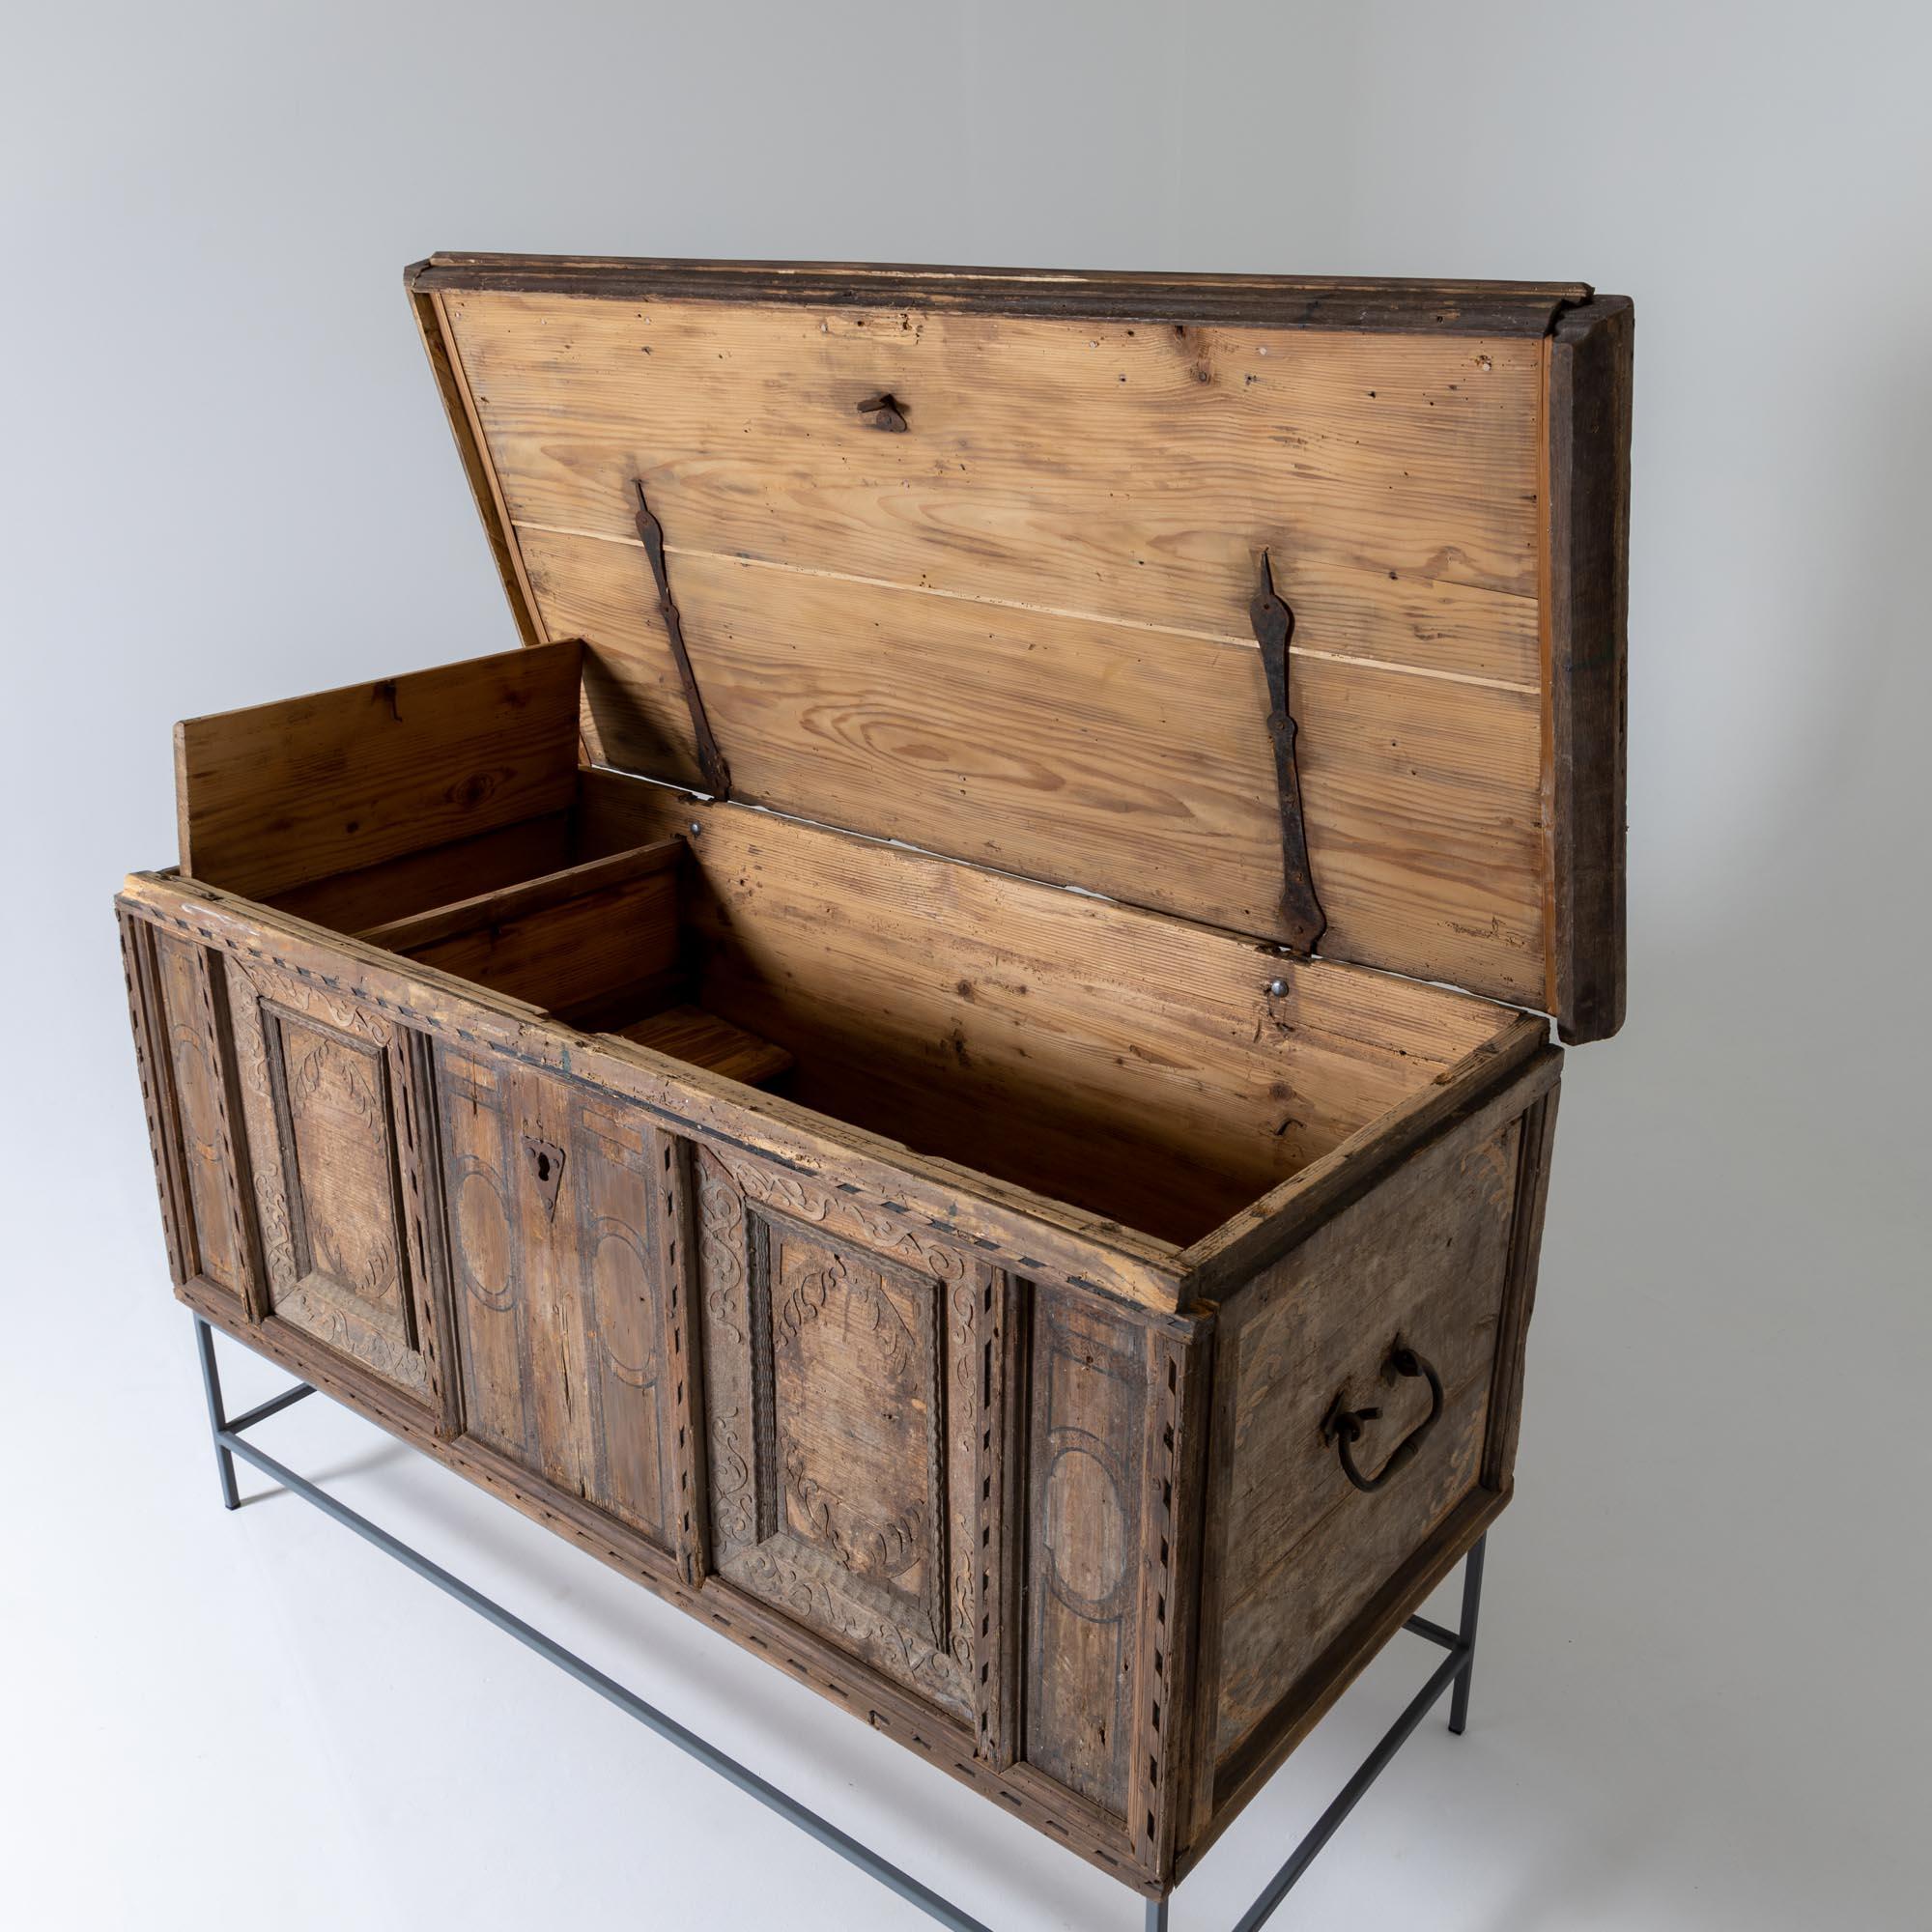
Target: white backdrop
{"type": "Point", "coordinates": [225, 476]}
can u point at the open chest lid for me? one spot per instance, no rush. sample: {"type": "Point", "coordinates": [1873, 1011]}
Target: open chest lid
{"type": "Point", "coordinates": [1033, 570]}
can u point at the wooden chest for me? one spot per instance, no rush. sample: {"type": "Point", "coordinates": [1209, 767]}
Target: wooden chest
{"type": "Point", "coordinates": [895, 1073]}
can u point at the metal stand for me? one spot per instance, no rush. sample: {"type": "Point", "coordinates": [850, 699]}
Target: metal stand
{"type": "Point", "coordinates": [1456, 1667]}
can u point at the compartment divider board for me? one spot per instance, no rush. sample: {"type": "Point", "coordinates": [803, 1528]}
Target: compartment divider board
{"type": "Point", "coordinates": [1016, 632]}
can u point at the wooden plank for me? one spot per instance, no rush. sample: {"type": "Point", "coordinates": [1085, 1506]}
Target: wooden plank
{"type": "Point", "coordinates": [1590, 359]}
{"type": "Point", "coordinates": [566, 1317]}
{"type": "Point", "coordinates": [525, 897]}
{"type": "Point", "coordinates": [1538, 1135]}
{"type": "Point", "coordinates": [1307, 302]}
{"type": "Point", "coordinates": [1126, 762]}
{"type": "Point", "coordinates": [1087, 1445]}
{"type": "Point", "coordinates": [1423, 1257]}
{"type": "Point", "coordinates": [1021, 1029]}
{"type": "Point", "coordinates": [373, 895]}
{"type": "Point", "coordinates": [1126, 475]}
{"type": "Point", "coordinates": [195, 1033]}
{"type": "Point", "coordinates": [283, 793]}
{"type": "Point", "coordinates": [323, 1091]}
{"type": "Point", "coordinates": [153, 1063]}
{"type": "Point", "coordinates": [690, 1033]}
{"type": "Point", "coordinates": [589, 947]}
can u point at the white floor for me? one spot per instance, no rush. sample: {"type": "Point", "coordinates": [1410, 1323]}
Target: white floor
{"type": "Point", "coordinates": [1700, 1694]}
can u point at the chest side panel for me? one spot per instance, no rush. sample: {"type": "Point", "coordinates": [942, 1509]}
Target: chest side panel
{"type": "Point", "coordinates": [1367, 1388]}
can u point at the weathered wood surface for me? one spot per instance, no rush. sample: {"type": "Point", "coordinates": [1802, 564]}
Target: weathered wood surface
{"type": "Point", "coordinates": [561, 1220]}
{"type": "Point", "coordinates": [852, 1422]}
{"type": "Point", "coordinates": [369, 897]}
{"type": "Point", "coordinates": [585, 947]}
{"type": "Point", "coordinates": [853, 1686]}
{"type": "Point", "coordinates": [283, 793]}
{"type": "Point", "coordinates": [1423, 1262]}
{"type": "Point", "coordinates": [1436, 1251]}
{"type": "Point", "coordinates": [550, 891]}
{"type": "Point", "coordinates": [690, 1033]}
{"type": "Point", "coordinates": [329, 1098]}
{"type": "Point", "coordinates": [1267, 1228]}
{"type": "Point", "coordinates": [1307, 302]}
{"type": "Point", "coordinates": [1125, 1062]}
{"type": "Point", "coordinates": [1058, 557]}
{"type": "Point", "coordinates": [1588, 606]}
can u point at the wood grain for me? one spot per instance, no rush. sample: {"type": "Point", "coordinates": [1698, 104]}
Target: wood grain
{"type": "Point", "coordinates": [525, 898]}
{"type": "Point", "coordinates": [284, 793]}
{"type": "Point", "coordinates": [1305, 1548]}
{"type": "Point", "coordinates": [1129, 763]}
{"type": "Point", "coordinates": [326, 1092]}
{"type": "Point", "coordinates": [1123, 1061]}
{"type": "Point", "coordinates": [588, 946]}
{"type": "Point", "coordinates": [374, 896]}
{"type": "Point", "coordinates": [555, 1214]}
{"type": "Point", "coordinates": [1067, 539]}
{"type": "Point", "coordinates": [690, 1033]}
{"type": "Point", "coordinates": [1086, 1448]}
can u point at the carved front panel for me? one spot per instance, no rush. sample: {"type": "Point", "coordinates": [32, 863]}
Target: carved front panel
{"type": "Point", "coordinates": [855, 1394]}
{"type": "Point", "coordinates": [190, 1047]}
{"type": "Point", "coordinates": [1086, 1457]}
{"type": "Point", "coordinates": [562, 1208]}
{"type": "Point", "coordinates": [326, 1090]}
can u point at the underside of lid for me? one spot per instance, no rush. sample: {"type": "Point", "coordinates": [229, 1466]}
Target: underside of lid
{"type": "Point", "coordinates": [981, 560]}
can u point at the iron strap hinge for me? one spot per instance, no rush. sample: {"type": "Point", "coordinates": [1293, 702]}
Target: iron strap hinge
{"type": "Point", "coordinates": [1273, 624]}
{"type": "Point", "coordinates": [710, 760]}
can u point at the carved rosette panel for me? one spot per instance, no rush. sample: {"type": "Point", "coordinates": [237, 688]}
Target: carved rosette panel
{"type": "Point", "coordinates": [561, 1229]}
{"type": "Point", "coordinates": [852, 1414]}
{"type": "Point", "coordinates": [326, 1092]}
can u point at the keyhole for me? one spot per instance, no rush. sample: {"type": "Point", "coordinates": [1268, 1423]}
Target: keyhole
{"type": "Point", "coordinates": [543, 1167]}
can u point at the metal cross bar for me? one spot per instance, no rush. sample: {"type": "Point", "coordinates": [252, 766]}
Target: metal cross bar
{"type": "Point", "coordinates": [1455, 1667]}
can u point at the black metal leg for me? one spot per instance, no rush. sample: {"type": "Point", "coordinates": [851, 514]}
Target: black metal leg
{"type": "Point", "coordinates": [1453, 1670]}
{"type": "Point", "coordinates": [217, 1422]}
{"type": "Point", "coordinates": [1472, 1603]}
{"type": "Point", "coordinates": [1156, 1915]}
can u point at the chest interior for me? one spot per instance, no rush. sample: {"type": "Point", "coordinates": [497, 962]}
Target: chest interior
{"type": "Point", "coordinates": [1144, 1067]}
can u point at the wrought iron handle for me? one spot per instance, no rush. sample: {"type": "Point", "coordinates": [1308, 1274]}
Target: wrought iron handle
{"type": "Point", "coordinates": [1343, 1426]}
